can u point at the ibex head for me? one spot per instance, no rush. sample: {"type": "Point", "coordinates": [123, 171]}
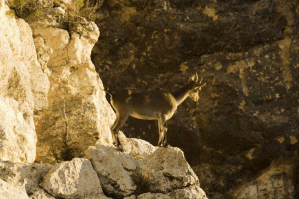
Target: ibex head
{"type": "Point", "coordinates": [195, 87]}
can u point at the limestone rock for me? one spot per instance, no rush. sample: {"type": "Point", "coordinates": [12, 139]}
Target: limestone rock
{"type": "Point", "coordinates": [23, 89]}
{"type": "Point", "coordinates": [9, 192]}
{"type": "Point", "coordinates": [46, 17]}
{"type": "Point", "coordinates": [43, 53]}
{"type": "Point", "coordinates": [167, 170]}
{"type": "Point", "coordinates": [191, 192]}
{"type": "Point", "coordinates": [22, 46]}
{"type": "Point", "coordinates": [78, 112]}
{"type": "Point", "coordinates": [73, 179]}
{"type": "Point", "coordinates": [88, 30]}
{"type": "Point", "coordinates": [274, 182]}
{"type": "Point", "coordinates": [114, 169]}
{"type": "Point", "coordinates": [153, 196]}
{"type": "Point", "coordinates": [38, 79]}
{"type": "Point", "coordinates": [130, 197]}
{"type": "Point", "coordinates": [41, 194]}
{"type": "Point", "coordinates": [137, 148]}
{"type": "Point", "coordinates": [57, 40]}
{"type": "Point", "coordinates": [25, 176]}
{"type": "Point", "coordinates": [16, 131]}
{"type": "Point", "coordinates": [64, 2]}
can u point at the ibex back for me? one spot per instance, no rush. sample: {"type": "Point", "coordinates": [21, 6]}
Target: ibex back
{"type": "Point", "coordinates": [151, 105]}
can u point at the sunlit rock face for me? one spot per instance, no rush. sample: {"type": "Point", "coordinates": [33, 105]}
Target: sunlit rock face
{"type": "Point", "coordinates": [8, 191]}
{"type": "Point", "coordinates": [78, 114]}
{"type": "Point", "coordinates": [23, 89]}
{"type": "Point", "coordinates": [73, 179]}
{"type": "Point", "coordinates": [49, 84]}
{"type": "Point", "coordinates": [246, 51]}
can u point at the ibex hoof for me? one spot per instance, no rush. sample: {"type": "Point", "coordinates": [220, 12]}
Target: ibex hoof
{"type": "Point", "coordinates": [118, 146]}
{"type": "Point", "coordinates": [120, 149]}
{"type": "Point", "coordinates": [163, 144]}
{"type": "Point", "coordinates": [115, 144]}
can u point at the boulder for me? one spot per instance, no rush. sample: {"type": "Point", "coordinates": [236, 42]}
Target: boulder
{"type": "Point", "coordinates": [153, 196]}
{"type": "Point", "coordinates": [24, 176]}
{"type": "Point", "coordinates": [41, 194]}
{"type": "Point", "coordinates": [114, 169]}
{"type": "Point", "coordinates": [8, 192]}
{"type": "Point", "coordinates": [73, 179]}
{"type": "Point", "coordinates": [137, 148]}
{"type": "Point", "coordinates": [167, 169]}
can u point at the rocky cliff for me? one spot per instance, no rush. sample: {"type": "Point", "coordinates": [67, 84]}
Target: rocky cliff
{"type": "Point", "coordinates": [55, 139]}
{"type": "Point", "coordinates": [241, 138]}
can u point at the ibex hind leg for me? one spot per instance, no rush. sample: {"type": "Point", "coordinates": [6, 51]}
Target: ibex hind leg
{"type": "Point", "coordinates": [113, 131]}
{"type": "Point", "coordinates": [121, 120]}
{"type": "Point", "coordinates": [114, 123]}
{"type": "Point", "coordinates": [164, 141]}
{"type": "Point", "coordinates": [162, 131]}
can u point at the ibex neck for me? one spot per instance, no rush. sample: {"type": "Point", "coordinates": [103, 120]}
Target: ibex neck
{"type": "Point", "coordinates": [181, 94]}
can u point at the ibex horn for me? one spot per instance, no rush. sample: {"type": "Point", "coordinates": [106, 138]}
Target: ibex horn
{"type": "Point", "coordinates": [203, 85]}
{"type": "Point", "coordinates": [201, 79]}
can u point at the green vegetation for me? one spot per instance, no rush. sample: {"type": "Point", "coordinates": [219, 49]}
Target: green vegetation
{"type": "Point", "coordinates": [17, 4]}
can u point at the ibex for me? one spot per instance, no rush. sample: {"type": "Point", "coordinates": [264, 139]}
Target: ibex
{"type": "Point", "coordinates": [151, 105]}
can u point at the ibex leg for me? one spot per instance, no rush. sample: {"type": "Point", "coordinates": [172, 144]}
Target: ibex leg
{"type": "Point", "coordinates": [162, 130]}
{"type": "Point", "coordinates": [165, 132]}
{"type": "Point", "coordinates": [119, 122]}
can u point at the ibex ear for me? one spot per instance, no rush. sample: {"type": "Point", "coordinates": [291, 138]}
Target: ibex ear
{"type": "Point", "coordinates": [194, 78]}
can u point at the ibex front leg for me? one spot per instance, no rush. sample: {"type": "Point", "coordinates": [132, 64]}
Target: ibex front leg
{"type": "Point", "coordinates": [162, 131]}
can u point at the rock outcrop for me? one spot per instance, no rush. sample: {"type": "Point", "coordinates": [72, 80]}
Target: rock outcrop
{"type": "Point", "coordinates": [164, 171]}
{"type": "Point", "coordinates": [114, 169]}
{"type": "Point", "coordinates": [20, 94]}
{"type": "Point", "coordinates": [76, 95]}
{"type": "Point", "coordinates": [77, 114]}
{"type": "Point", "coordinates": [104, 173]}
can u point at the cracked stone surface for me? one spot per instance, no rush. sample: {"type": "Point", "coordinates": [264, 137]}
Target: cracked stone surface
{"type": "Point", "coordinates": [73, 179]}
{"type": "Point", "coordinates": [7, 191]}
{"type": "Point", "coordinates": [114, 169]}
{"type": "Point", "coordinates": [167, 169]}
